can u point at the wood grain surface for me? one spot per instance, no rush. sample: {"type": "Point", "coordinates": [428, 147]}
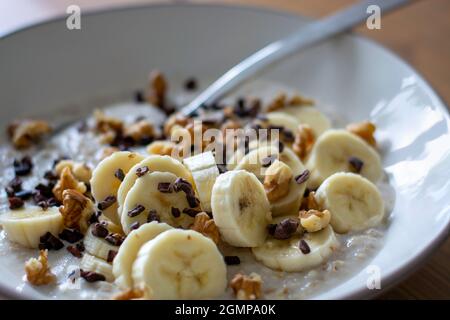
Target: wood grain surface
{"type": "Point", "coordinates": [419, 33]}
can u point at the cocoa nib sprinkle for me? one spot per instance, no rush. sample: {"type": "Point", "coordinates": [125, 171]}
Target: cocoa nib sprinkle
{"type": "Point", "coordinates": [182, 185]}
{"type": "Point", "coordinates": [23, 166]}
{"type": "Point", "coordinates": [91, 276]}
{"type": "Point", "coordinates": [142, 171]}
{"type": "Point", "coordinates": [267, 161]}
{"type": "Point", "coordinates": [302, 177]}
{"type": "Point", "coordinates": [106, 203]}
{"type": "Point", "coordinates": [356, 164]}
{"type": "Point", "coordinates": [136, 211]}
{"type": "Point", "coordinates": [139, 96]}
{"type": "Point", "coordinates": [80, 246]}
{"type": "Point", "coordinates": [50, 242]}
{"type": "Point", "coordinates": [222, 168]}
{"type": "Point", "coordinates": [191, 84]}
{"type": "Point", "coordinates": [99, 230]}
{"type": "Point", "coordinates": [15, 203]}
{"type": "Point", "coordinates": [15, 185]}
{"type": "Point", "coordinates": [192, 200]}
{"type": "Point", "coordinates": [135, 225]}
{"type": "Point", "coordinates": [115, 239]}
{"type": "Point", "coordinates": [111, 255]}
{"type": "Point", "coordinates": [74, 251]}
{"type": "Point", "coordinates": [153, 216]}
{"type": "Point", "coordinates": [119, 174]}
{"type": "Point", "coordinates": [24, 194]}
{"type": "Point", "coordinates": [285, 229]}
{"type": "Point", "coordinates": [304, 247]}
{"type": "Point", "coordinates": [232, 260]}
{"type": "Point", "coordinates": [175, 212]}
{"type": "Point", "coordinates": [71, 235]}
{"type": "Point", "coordinates": [165, 187]}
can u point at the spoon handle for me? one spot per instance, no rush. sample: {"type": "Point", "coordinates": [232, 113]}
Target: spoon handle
{"type": "Point", "coordinates": [275, 51]}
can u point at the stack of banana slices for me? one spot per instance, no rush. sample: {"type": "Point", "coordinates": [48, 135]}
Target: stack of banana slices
{"type": "Point", "coordinates": [259, 203]}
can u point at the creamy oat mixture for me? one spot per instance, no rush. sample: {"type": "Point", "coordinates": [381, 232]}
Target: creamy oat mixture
{"type": "Point", "coordinates": [81, 144]}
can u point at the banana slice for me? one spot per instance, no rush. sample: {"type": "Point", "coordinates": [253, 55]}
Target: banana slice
{"type": "Point", "coordinates": [26, 226]}
{"type": "Point", "coordinates": [292, 256]}
{"type": "Point", "coordinates": [145, 193]}
{"type": "Point", "coordinates": [94, 264]}
{"type": "Point", "coordinates": [128, 251]}
{"type": "Point", "coordinates": [240, 208]}
{"type": "Point", "coordinates": [180, 264]}
{"type": "Point", "coordinates": [282, 119]}
{"type": "Point", "coordinates": [98, 247]}
{"type": "Point", "coordinates": [355, 203]}
{"type": "Point", "coordinates": [311, 116]}
{"type": "Point", "coordinates": [204, 171]}
{"type": "Point", "coordinates": [154, 163]}
{"type": "Point", "coordinates": [332, 153]}
{"type": "Point", "coordinates": [104, 182]}
{"type": "Point", "coordinates": [253, 162]}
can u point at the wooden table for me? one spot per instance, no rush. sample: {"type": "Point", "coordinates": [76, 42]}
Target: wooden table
{"type": "Point", "coordinates": [419, 33]}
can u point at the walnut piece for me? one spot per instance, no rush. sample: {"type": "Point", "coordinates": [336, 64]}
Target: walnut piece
{"type": "Point", "coordinates": [206, 226]}
{"type": "Point", "coordinates": [106, 152]}
{"type": "Point", "coordinates": [276, 180]}
{"type": "Point", "coordinates": [247, 287]}
{"type": "Point", "coordinates": [105, 123]}
{"type": "Point", "coordinates": [26, 132]}
{"type": "Point", "coordinates": [131, 294]}
{"type": "Point", "coordinates": [161, 147]}
{"type": "Point", "coordinates": [175, 119]}
{"type": "Point", "coordinates": [314, 220]}
{"type": "Point", "coordinates": [157, 89]}
{"type": "Point", "coordinates": [140, 130]}
{"type": "Point", "coordinates": [67, 181]}
{"type": "Point", "coordinates": [298, 100]}
{"type": "Point", "coordinates": [38, 270]}
{"type": "Point", "coordinates": [277, 103]}
{"type": "Point", "coordinates": [80, 170]}
{"type": "Point", "coordinates": [281, 101]}
{"type": "Point", "coordinates": [364, 130]}
{"type": "Point", "coordinates": [309, 202]}
{"type": "Point", "coordinates": [76, 210]}
{"type": "Point", "coordinates": [304, 141]}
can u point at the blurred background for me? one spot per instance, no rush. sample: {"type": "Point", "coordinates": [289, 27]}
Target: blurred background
{"type": "Point", "coordinates": [419, 33]}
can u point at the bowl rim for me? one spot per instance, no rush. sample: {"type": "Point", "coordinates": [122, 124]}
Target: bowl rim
{"type": "Point", "coordinates": [404, 269]}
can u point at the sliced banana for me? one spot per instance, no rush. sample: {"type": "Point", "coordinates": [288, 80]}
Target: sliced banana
{"type": "Point", "coordinates": [94, 264]}
{"type": "Point", "coordinates": [333, 150]}
{"type": "Point", "coordinates": [26, 226]}
{"type": "Point", "coordinates": [282, 119]}
{"type": "Point", "coordinates": [180, 264]}
{"type": "Point", "coordinates": [286, 255]}
{"type": "Point", "coordinates": [204, 172]}
{"type": "Point", "coordinates": [98, 247]}
{"type": "Point", "coordinates": [154, 163]}
{"type": "Point", "coordinates": [104, 182]}
{"type": "Point", "coordinates": [145, 193]}
{"type": "Point", "coordinates": [253, 162]}
{"type": "Point", "coordinates": [240, 208]}
{"type": "Point", "coordinates": [318, 121]}
{"type": "Point", "coordinates": [128, 251]}
{"type": "Point", "coordinates": [355, 203]}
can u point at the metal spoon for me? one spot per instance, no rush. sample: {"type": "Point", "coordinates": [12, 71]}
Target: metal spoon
{"type": "Point", "coordinates": [305, 37]}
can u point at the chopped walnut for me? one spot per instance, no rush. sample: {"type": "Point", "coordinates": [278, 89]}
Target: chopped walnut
{"type": "Point", "coordinates": [175, 119]}
{"type": "Point", "coordinates": [157, 89]}
{"type": "Point", "coordinates": [310, 202]}
{"type": "Point", "coordinates": [140, 130]}
{"type": "Point", "coordinates": [314, 220]}
{"type": "Point", "coordinates": [298, 100]}
{"type": "Point", "coordinates": [67, 181]}
{"type": "Point", "coordinates": [26, 132]}
{"type": "Point", "coordinates": [230, 125]}
{"type": "Point", "coordinates": [304, 141]}
{"type": "Point", "coordinates": [161, 147]}
{"type": "Point", "coordinates": [80, 170]}
{"type": "Point", "coordinates": [276, 181]}
{"type": "Point", "coordinates": [38, 270]}
{"type": "Point", "coordinates": [206, 226]}
{"type": "Point", "coordinates": [105, 124]}
{"type": "Point", "coordinates": [76, 210]}
{"type": "Point", "coordinates": [247, 287]}
{"type": "Point", "coordinates": [364, 130]}
{"type": "Point", "coordinates": [277, 103]}
{"type": "Point", "coordinates": [131, 294]}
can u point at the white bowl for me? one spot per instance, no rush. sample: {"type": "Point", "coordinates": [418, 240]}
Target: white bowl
{"type": "Point", "coordinates": [46, 67]}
